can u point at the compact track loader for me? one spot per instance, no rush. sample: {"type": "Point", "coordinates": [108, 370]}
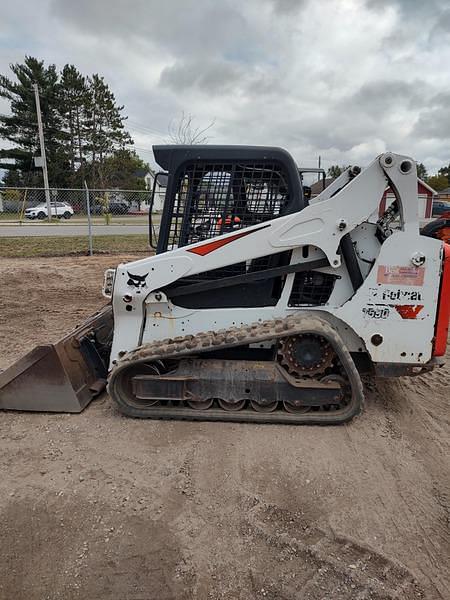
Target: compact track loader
{"type": "Point", "coordinates": [260, 304]}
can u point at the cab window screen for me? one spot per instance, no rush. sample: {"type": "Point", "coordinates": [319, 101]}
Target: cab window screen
{"type": "Point", "coordinates": [212, 199]}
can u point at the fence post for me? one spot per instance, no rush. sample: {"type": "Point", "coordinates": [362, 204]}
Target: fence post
{"type": "Point", "coordinates": [88, 209]}
{"type": "Point", "coordinates": [22, 210]}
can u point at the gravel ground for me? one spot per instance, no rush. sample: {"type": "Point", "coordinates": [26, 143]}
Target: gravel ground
{"type": "Point", "coordinates": [100, 506]}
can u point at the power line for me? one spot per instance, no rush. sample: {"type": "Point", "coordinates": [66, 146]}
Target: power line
{"type": "Point", "coordinates": [145, 129]}
{"type": "Point", "coordinates": [146, 133]}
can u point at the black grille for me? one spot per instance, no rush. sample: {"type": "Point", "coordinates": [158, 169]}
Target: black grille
{"type": "Point", "coordinates": [312, 288]}
{"type": "Point", "coordinates": [212, 199]}
{"type": "Point", "coordinates": [250, 266]}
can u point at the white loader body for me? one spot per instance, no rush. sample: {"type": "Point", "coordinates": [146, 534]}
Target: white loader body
{"type": "Point", "coordinates": [391, 316]}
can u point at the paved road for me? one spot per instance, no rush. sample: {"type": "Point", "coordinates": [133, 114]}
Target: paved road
{"type": "Point", "coordinates": [69, 230]}
{"type": "Point", "coordinates": [36, 230]}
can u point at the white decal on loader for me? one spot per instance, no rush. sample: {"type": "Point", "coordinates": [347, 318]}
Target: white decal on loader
{"type": "Point", "coordinates": [376, 312]}
{"type": "Point", "coordinates": [394, 295]}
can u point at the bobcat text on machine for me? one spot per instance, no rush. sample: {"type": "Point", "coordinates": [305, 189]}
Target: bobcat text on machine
{"type": "Point", "coordinates": [258, 306]}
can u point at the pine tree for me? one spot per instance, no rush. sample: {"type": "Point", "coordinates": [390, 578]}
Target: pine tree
{"type": "Point", "coordinates": [73, 101]}
{"type": "Point", "coordinates": [83, 126]}
{"type": "Point", "coordinates": [20, 127]}
{"type": "Point", "coordinates": [105, 128]}
{"type": "Point", "coordinates": [422, 171]}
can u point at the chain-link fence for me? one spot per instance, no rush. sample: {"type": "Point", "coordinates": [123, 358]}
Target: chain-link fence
{"type": "Point", "coordinates": [116, 220]}
{"type": "Point", "coordinates": [28, 204]}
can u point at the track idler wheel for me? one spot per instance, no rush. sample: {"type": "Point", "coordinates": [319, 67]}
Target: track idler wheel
{"type": "Point", "coordinates": [145, 369]}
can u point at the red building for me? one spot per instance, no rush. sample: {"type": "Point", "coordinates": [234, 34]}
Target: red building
{"type": "Point", "coordinates": [425, 194]}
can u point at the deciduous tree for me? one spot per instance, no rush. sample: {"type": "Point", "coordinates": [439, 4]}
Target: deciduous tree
{"type": "Point", "coordinates": [185, 131]}
{"type": "Point", "coordinates": [335, 170]}
{"type": "Point", "coordinates": [438, 182]}
{"type": "Point", "coordinates": [125, 170]}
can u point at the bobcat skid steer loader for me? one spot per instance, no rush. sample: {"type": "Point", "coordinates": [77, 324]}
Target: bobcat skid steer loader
{"type": "Point", "coordinates": [258, 306]}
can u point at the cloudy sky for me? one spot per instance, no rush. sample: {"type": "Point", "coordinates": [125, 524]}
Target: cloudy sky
{"type": "Point", "coordinates": [343, 79]}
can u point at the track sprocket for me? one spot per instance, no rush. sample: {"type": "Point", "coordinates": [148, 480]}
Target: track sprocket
{"type": "Point", "coordinates": [306, 354]}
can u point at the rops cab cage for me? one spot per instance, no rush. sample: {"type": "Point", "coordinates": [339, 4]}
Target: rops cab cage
{"type": "Point", "coordinates": [212, 190]}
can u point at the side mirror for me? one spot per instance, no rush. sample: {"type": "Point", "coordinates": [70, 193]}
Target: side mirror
{"type": "Point", "coordinates": [161, 179]}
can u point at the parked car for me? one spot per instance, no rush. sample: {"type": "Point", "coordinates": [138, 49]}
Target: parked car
{"type": "Point", "coordinates": [118, 208]}
{"type": "Point", "coordinates": [114, 208]}
{"type": "Point", "coordinates": [62, 210]}
{"type": "Point", "coordinates": [440, 207]}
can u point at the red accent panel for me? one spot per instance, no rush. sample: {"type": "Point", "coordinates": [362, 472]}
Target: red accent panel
{"type": "Point", "coordinates": [408, 311]}
{"type": "Point", "coordinates": [215, 244]}
{"type": "Point", "coordinates": [440, 339]}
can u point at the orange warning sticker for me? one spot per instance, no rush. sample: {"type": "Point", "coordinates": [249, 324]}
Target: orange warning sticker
{"type": "Point", "coordinates": [396, 275]}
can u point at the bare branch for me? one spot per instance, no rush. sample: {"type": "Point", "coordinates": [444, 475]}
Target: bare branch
{"type": "Point", "coordinates": [184, 131]}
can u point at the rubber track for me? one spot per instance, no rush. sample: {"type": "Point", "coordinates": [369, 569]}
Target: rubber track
{"type": "Point", "coordinates": [183, 346]}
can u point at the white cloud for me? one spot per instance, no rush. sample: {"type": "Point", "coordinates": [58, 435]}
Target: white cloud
{"type": "Point", "coordinates": [344, 79]}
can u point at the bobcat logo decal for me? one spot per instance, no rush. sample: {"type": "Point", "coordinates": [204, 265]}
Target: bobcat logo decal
{"type": "Point", "coordinates": [137, 280]}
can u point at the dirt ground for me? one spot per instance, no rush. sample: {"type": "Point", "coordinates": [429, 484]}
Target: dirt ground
{"type": "Point", "coordinates": [99, 506]}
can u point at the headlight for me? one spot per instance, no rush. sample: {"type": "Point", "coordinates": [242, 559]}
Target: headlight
{"type": "Point", "coordinates": [108, 282]}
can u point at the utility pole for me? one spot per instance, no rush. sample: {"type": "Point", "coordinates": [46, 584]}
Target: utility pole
{"type": "Point", "coordinates": [42, 145]}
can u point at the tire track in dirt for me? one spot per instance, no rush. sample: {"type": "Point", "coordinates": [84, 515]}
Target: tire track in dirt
{"type": "Point", "coordinates": [353, 570]}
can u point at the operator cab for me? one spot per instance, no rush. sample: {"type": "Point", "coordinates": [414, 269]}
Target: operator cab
{"type": "Point", "coordinates": [213, 190]}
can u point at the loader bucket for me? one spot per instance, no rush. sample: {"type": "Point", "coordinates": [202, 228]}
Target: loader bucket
{"type": "Point", "coordinates": [61, 377]}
